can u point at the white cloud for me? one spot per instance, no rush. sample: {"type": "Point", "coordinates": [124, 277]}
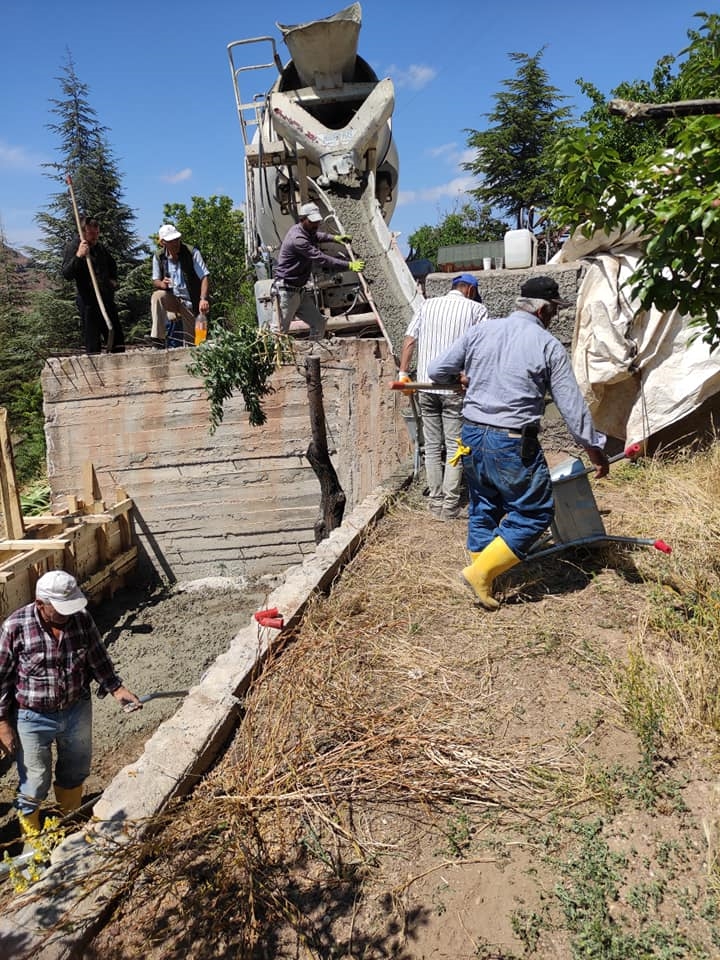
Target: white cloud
{"type": "Point", "coordinates": [178, 177]}
{"type": "Point", "coordinates": [453, 188]}
{"type": "Point", "coordinates": [18, 158]}
{"type": "Point", "coordinates": [453, 154]}
{"type": "Point", "coordinates": [444, 150]}
{"type": "Point", "coordinates": [416, 76]}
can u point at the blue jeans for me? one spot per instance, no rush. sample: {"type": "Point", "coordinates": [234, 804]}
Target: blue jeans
{"type": "Point", "coordinates": [510, 496]}
{"type": "Point", "coordinates": [71, 731]}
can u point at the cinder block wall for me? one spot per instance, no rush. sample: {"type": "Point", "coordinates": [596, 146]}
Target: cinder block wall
{"type": "Point", "coordinates": [500, 288]}
{"type": "Point", "coordinates": [243, 501]}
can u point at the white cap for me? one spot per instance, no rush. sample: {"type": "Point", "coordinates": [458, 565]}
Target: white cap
{"type": "Point", "coordinates": [168, 232]}
{"type": "Point", "coordinates": [311, 211]}
{"type": "Point", "coordinates": [61, 590]}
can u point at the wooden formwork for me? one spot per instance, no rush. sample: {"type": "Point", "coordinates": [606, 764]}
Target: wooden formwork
{"type": "Point", "coordinates": [95, 543]}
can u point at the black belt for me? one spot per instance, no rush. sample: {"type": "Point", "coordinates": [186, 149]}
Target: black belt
{"type": "Point", "coordinates": [508, 431]}
{"type": "Point", "coordinates": [288, 286]}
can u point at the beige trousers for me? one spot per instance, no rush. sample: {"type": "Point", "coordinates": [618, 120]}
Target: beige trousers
{"type": "Point", "coordinates": [164, 307]}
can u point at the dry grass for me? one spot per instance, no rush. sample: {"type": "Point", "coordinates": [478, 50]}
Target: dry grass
{"type": "Point", "coordinates": [375, 733]}
{"type": "Point", "coordinates": [672, 679]}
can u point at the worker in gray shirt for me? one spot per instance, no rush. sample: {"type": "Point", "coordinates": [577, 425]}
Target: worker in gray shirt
{"type": "Point", "coordinates": [509, 366]}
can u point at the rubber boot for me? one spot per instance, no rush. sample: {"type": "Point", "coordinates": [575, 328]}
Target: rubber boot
{"type": "Point", "coordinates": [68, 800]}
{"type": "Point", "coordinates": [30, 822]}
{"type": "Point", "coordinates": [496, 558]}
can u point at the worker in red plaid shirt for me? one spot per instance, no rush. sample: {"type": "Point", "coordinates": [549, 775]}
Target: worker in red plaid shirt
{"type": "Point", "coordinates": [50, 651]}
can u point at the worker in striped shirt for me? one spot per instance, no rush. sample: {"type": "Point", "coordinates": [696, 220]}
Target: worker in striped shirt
{"type": "Point", "coordinates": [436, 326]}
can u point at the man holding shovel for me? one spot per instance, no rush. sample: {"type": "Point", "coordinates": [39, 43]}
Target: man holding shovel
{"type": "Point", "coordinates": [50, 651]}
{"type": "Point", "coordinates": [435, 327]}
{"type": "Point", "coordinates": [78, 252]}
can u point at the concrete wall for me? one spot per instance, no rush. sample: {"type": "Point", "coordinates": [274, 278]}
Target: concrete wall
{"type": "Point", "coordinates": [500, 288]}
{"type": "Point", "coordinates": [243, 501]}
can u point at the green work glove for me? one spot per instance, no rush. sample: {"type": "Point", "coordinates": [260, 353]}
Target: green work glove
{"type": "Point", "coordinates": [342, 238]}
{"type": "Point", "coordinates": [357, 266]}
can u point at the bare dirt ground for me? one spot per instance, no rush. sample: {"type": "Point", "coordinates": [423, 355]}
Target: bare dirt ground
{"type": "Point", "coordinates": [162, 640]}
{"type": "Point", "coordinates": [418, 778]}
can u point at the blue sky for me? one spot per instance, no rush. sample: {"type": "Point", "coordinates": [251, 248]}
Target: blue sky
{"type": "Point", "coordinates": [159, 80]}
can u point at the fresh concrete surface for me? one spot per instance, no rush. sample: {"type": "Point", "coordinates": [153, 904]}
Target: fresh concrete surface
{"type": "Point", "coordinates": [64, 910]}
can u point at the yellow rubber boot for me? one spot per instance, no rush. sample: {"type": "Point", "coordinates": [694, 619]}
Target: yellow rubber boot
{"type": "Point", "coordinates": [68, 800]}
{"type": "Point", "coordinates": [30, 822]}
{"type": "Point", "coordinates": [496, 558]}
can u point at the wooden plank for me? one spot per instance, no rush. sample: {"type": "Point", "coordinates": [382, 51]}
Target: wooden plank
{"type": "Point", "coordinates": [109, 513]}
{"type": "Point", "coordinates": [91, 489]}
{"type": "Point", "coordinates": [120, 566]}
{"type": "Point", "coordinates": [53, 543]}
{"type": "Point", "coordinates": [11, 568]}
{"type": "Point", "coordinates": [9, 493]}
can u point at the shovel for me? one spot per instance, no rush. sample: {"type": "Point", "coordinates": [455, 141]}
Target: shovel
{"type": "Point", "coordinates": [91, 269]}
{"type": "Point", "coordinates": [159, 695]}
{"type": "Point", "coordinates": [414, 385]}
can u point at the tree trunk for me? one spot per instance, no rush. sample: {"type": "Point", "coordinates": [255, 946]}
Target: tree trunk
{"type": "Point", "coordinates": [632, 110]}
{"type": "Point", "coordinates": [332, 498]}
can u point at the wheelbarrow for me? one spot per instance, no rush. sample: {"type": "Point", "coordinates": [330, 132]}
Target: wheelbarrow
{"type": "Point", "coordinates": [577, 520]}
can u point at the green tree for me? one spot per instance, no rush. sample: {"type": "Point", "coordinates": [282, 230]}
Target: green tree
{"type": "Point", "coordinates": [670, 196]}
{"type": "Point", "coordinates": [215, 226]}
{"type": "Point", "coordinates": [86, 156]}
{"type": "Point", "coordinates": [631, 140]}
{"type": "Point", "coordinates": [514, 155]}
{"type": "Point", "coordinates": [470, 224]}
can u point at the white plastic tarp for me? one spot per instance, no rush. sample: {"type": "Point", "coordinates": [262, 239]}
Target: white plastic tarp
{"type": "Point", "coordinates": [640, 371]}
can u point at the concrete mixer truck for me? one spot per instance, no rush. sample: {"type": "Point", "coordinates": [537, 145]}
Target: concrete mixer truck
{"type": "Point", "coordinates": [321, 131]}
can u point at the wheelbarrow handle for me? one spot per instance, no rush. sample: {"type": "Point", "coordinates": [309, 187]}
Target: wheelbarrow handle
{"type": "Point", "coordinates": [631, 452]}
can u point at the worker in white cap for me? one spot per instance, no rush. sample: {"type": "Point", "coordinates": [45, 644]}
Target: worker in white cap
{"type": "Point", "coordinates": [182, 290]}
{"type": "Point", "coordinates": [299, 253]}
{"type": "Point", "coordinates": [50, 651]}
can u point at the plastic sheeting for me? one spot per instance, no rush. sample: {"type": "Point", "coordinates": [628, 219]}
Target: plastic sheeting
{"type": "Point", "coordinates": [640, 371]}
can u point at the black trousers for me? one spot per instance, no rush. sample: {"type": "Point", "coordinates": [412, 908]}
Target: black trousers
{"type": "Point", "coordinates": [95, 331]}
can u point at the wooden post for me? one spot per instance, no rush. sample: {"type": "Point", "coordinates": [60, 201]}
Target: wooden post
{"type": "Point", "coordinates": [12, 517]}
{"type": "Point", "coordinates": [332, 498]}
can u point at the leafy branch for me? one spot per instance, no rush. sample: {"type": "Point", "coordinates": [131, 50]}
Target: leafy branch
{"type": "Point", "coordinates": [240, 361]}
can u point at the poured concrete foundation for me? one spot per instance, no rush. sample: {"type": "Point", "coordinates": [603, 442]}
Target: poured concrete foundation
{"type": "Point", "coordinates": [241, 502]}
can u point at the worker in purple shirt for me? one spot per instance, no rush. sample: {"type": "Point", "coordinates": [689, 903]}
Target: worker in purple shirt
{"type": "Point", "coordinates": [299, 253]}
{"type": "Point", "coordinates": [50, 650]}
{"type": "Point", "coordinates": [508, 366]}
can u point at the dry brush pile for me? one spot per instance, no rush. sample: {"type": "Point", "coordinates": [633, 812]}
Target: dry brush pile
{"type": "Point", "coordinates": [372, 736]}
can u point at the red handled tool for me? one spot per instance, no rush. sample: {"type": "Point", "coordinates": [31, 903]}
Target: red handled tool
{"type": "Point", "coordinates": [270, 618]}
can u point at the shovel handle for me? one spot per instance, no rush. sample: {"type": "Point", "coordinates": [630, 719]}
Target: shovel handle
{"type": "Point", "coordinates": [414, 385]}
{"type": "Point", "coordinates": [91, 269]}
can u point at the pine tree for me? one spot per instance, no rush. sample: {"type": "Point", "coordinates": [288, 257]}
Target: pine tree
{"type": "Point", "coordinates": [87, 158]}
{"type": "Point", "coordinates": [514, 156]}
